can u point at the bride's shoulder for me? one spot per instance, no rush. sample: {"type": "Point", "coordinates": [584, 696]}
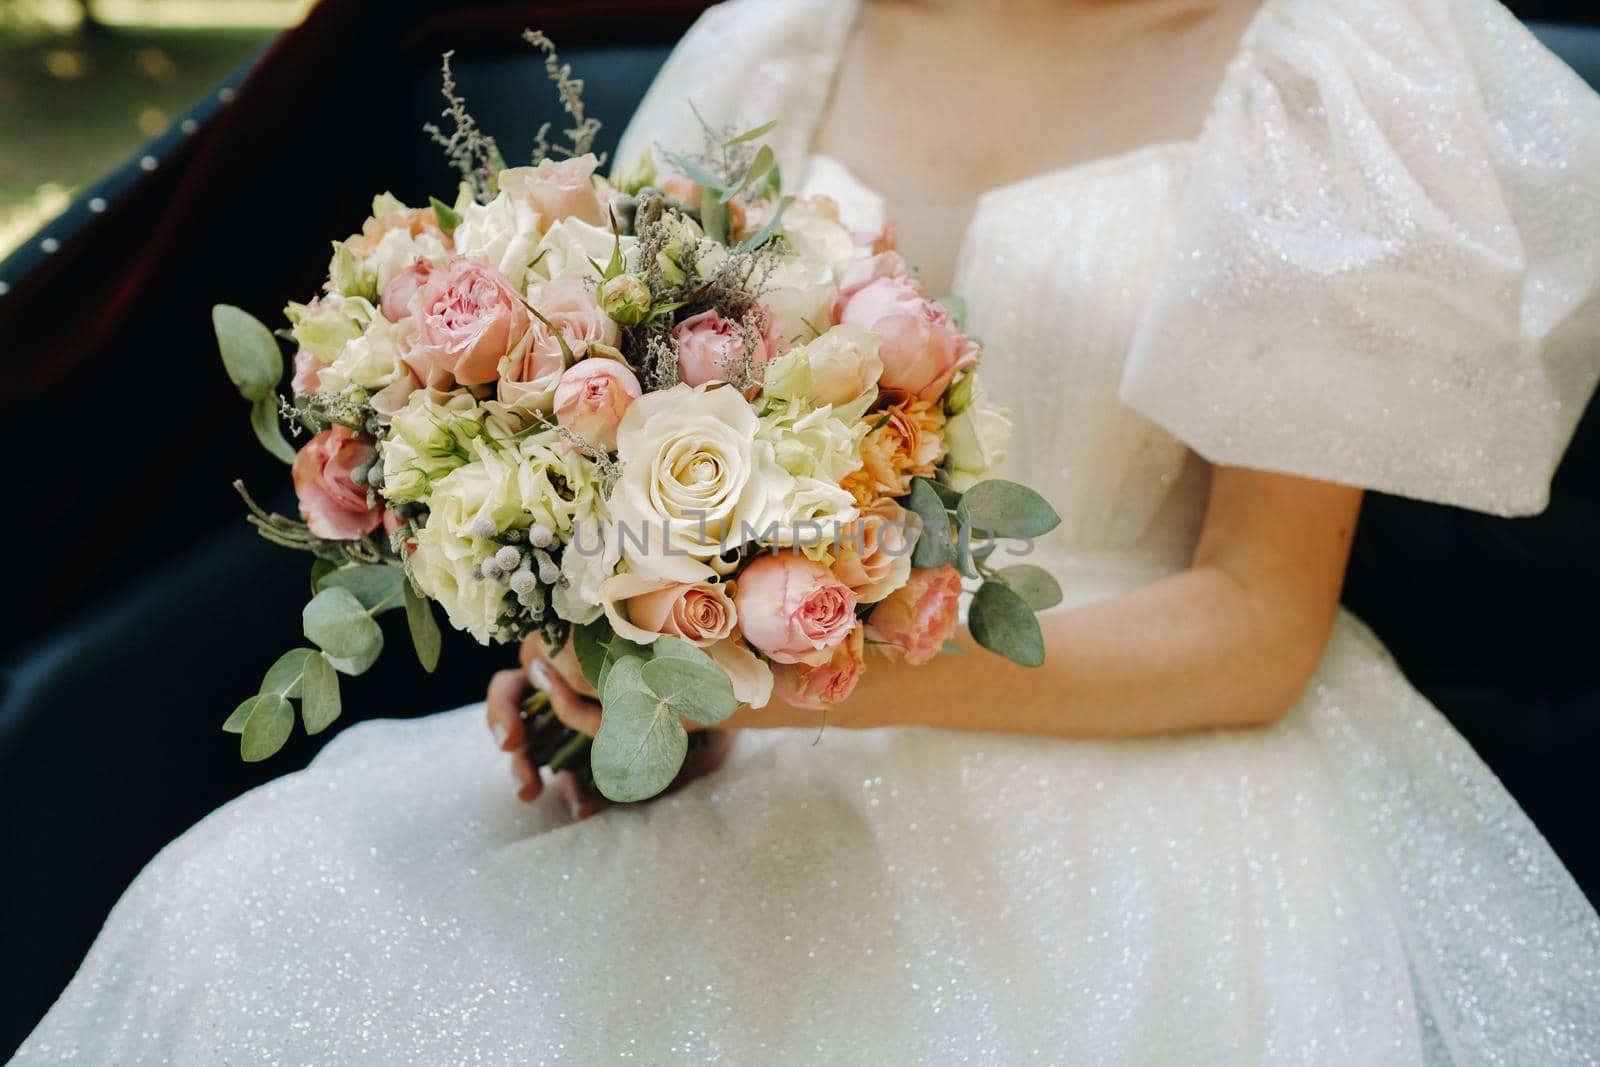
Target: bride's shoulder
{"type": "Point", "coordinates": [744, 62]}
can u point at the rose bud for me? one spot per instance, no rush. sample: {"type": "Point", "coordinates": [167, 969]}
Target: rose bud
{"type": "Point", "coordinates": [591, 398]}
{"type": "Point", "coordinates": [626, 298]}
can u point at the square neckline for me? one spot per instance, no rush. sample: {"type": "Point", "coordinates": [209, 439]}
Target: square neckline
{"type": "Point", "coordinates": [1155, 150]}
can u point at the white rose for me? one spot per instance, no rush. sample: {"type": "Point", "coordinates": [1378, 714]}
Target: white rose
{"type": "Point", "coordinates": [976, 439]}
{"type": "Point", "coordinates": [813, 235]}
{"type": "Point", "coordinates": [566, 250]}
{"type": "Point", "coordinates": [799, 293]}
{"type": "Point", "coordinates": [693, 481]}
{"type": "Point", "coordinates": [505, 232]}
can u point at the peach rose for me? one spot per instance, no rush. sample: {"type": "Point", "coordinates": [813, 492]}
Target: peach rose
{"type": "Point", "coordinates": [827, 684]}
{"type": "Point", "coordinates": [591, 398]}
{"type": "Point", "coordinates": [395, 301]}
{"type": "Point", "coordinates": [416, 221]}
{"type": "Point", "coordinates": [713, 349]}
{"type": "Point", "coordinates": [468, 320]}
{"type": "Point", "coordinates": [873, 554]}
{"type": "Point", "coordinates": [641, 609]}
{"type": "Point", "coordinates": [915, 621]}
{"type": "Point", "coordinates": [532, 373]}
{"type": "Point", "coordinates": [331, 502]}
{"type": "Point", "coordinates": [793, 608]}
{"type": "Point", "coordinates": [560, 189]}
{"type": "Point", "coordinates": [908, 444]}
{"type": "Point", "coordinates": [922, 347]}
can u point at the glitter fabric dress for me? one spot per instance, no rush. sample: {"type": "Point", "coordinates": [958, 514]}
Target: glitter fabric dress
{"type": "Point", "coordinates": [1377, 264]}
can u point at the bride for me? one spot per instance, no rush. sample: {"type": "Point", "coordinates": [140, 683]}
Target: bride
{"type": "Point", "coordinates": [1233, 261]}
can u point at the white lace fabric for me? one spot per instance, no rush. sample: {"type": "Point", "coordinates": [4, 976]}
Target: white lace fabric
{"type": "Point", "coordinates": [1312, 287]}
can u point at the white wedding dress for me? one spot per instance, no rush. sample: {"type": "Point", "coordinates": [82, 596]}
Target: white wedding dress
{"type": "Point", "coordinates": [1378, 265]}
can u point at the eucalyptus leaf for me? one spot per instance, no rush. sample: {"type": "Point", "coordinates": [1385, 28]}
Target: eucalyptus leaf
{"type": "Point", "coordinates": [249, 351]}
{"type": "Point", "coordinates": [695, 172]}
{"type": "Point", "coordinates": [714, 216]}
{"type": "Point", "coordinates": [679, 648]}
{"type": "Point", "coordinates": [376, 585]}
{"type": "Point", "coordinates": [1007, 509]}
{"type": "Point", "coordinates": [234, 723]}
{"type": "Point", "coordinates": [588, 644]}
{"type": "Point", "coordinates": [319, 702]}
{"type": "Point", "coordinates": [270, 722]}
{"type": "Point", "coordinates": [1035, 585]}
{"type": "Point", "coordinates": [640, 746]}
{"type": "Point", "coordinates": [269, 431]}
{"type": "Point", "coordinates": [319, 568]}
{"type": "Point", "coordinates": [617, 649]}
{"type": "Point", "coordinates": [952, 649]}
{"type": "Point", "coordinates": [424, 628]}
{"type": "Point", "coordinates": [283, 677]}
{"type": "Point", "coordinates": [1002, 622]}
{"type": "Point", "coordinates": [948, 494]}
{"type": "Point", "coordinates": [356, 665]}
{"type": "Point", "coordinates": [691, 689]}
{"type": "Point", "coordinates": [934, 547]}
{"type": "Point", "coordinates": [751, 134]}
{"type": "Point", "coordinates": [336, 622]}
{"type": "Point", "coordinates": [764, 162]}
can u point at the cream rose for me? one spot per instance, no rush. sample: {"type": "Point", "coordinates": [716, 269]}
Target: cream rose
{"type": "Point", "coordinates": [693, 481]}
{"type": "Point", "coordinates": [975, 439]}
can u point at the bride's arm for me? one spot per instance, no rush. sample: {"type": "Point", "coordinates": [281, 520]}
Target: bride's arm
{"type": "Point", "coordinates": [1230, 641]}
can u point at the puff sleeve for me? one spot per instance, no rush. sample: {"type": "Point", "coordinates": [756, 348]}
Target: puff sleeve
{"type": "Point", "coordinates": [1387, 271]}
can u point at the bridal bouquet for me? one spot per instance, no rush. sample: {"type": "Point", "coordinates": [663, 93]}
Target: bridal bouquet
{"type": "Point", "coordinates": [692, 426]}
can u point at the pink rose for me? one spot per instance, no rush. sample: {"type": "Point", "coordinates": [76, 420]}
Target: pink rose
{"type": "Point", "coordinates": [827, 684]}
{"type": "Point", "coordinates": [332, 504]}
{"type": "Point", "coordinates": [591, 398]}
{"type": "Point", "coordinates": [873, 554]}
{"type": "Point", "coordinates": [560, 189]}
{"type": "Point", "coordinates": [307, 372]}
{"type": "Point", "coordinates": [395, 302]}
{"type": "Point", "coordinates": [712, 349]}
{"type": "Point", "coordinates": [532, 373]}
{"type": "Point", "coordinates": [793, 608]}
{"type": "Point", "coordinates": [468, 319]}
{"type": "Point", "coordinates": [641, 609]}
{"type": "Point", "coordinates": [922, 347]}
{"type": "Point", "coordinates": [916, 620]}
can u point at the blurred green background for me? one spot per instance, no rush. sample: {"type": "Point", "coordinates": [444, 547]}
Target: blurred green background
{"type": "Point", "coordinates": [84, 83]}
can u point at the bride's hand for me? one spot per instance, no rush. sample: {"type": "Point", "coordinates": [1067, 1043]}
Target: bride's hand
{"type": "Point", "coordinates": [573, 699]}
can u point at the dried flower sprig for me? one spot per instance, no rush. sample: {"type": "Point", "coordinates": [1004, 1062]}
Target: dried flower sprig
{"type": "Point", "coordinates": [471, 151]}
{"type": "Point", "coordinates": [581, 133]}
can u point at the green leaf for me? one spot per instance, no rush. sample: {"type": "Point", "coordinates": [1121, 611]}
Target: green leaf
{"type": "Point", "coordinates": [283, 677]}
{"type": "Point", "coordinates": [356, 665]}
{"type": "Point", "coordinates": [319, 568]}
{"type": "Point", "coordinates": [640, 746]}
{"type": "Point", "coordinates": [952, 649]}
{"type": "Point", "coordinates": [957, 308]}
{"type": "Point", "coordinates": [249, 352]}
{"type": "Point", "coordinates": [619, 648]}
{"type": "Point", "coordinates": [319, 703]}
{"type": "Point", "coordinates": [588, 644]}
{"type": "Point", "coordinates": [234, 723]}
{"type": "Point", "coordinates": [751, 243]}
{"type": "Point", "coordinates": [714, 216]}
{"type": "Point", "coordinates": [948, 495]}
{"type": "Point", "coordinates": [691, 689]}
{"type": "Point", "coordinates": [336, 622]}
{"type": "Point", "coordinates": [1002, 622]}
{"type": "Point", "coordinates": [751, 134]}
{"type": "Point", "coordinates": [447, 216]}
{"type": "Point", "coordinates": [1007, 509]}
{"type": "Point", "coordinates": [270, 721]}
{"type": "Point", "coordinates": [695, 172]}
{"type": "Point", "coordinates": [269, 431]}
{"type": "Point", "coordinates": [424, 628]}
{"type": "Point", "coordinates": [934, 547]}
{"type": "Point", "coordinates": [376, 585]}
{"type": "Point", "coordinates": [764, 162]}
{"type": "Point", "coordinates": [1035, 585]}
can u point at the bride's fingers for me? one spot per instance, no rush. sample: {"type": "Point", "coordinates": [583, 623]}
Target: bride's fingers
{"type": "Point", "coordinates": [578, 712]}
{"type": "Point", "coordinates": [503, 706]}
{"type": "Point", "coordinates": [580, 801]}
